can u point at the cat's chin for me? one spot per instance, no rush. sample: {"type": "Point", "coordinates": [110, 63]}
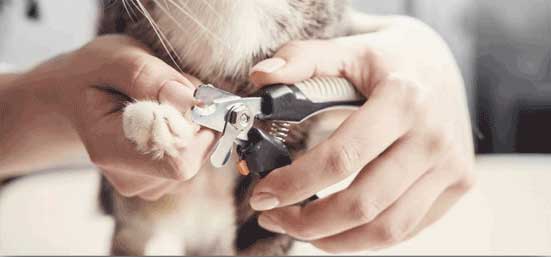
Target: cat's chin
{"type": "Point", "coordinates": [209, 46]}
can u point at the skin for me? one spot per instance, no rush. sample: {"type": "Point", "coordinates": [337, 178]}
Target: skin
{"type": "Point", "coordinates": [411, 142]}
{"type": "Point", "coordinates": [67, 104]}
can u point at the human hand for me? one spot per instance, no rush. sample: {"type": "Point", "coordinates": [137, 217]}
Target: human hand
{"type": "Point", "coordinates": [411, 142]}
{"type": "Point", "coordinates": [93, 85]}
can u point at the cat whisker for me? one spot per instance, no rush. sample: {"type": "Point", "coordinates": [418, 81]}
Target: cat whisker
{"type": "Point", "coordinates": [190, 41]}
{"type": "Point", "coordinates": [110, 4]}
{"type": "Point", "coordinates": [218, 15]}
{"type": "Point", "coordinates": [194, 20]}
{"type": "Point", "coordinates": [167, 12]}
{"type": "Point", "coordinates": [183, 4]}
{"type": "Point", "coordinates": [166, 4]}
{"type": "Point", "coordinates": [132, 14]}
{"type": "Point", "coordinates": [167, 46]}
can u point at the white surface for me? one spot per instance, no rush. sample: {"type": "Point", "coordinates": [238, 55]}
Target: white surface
{"type": "Point", "coordinates": [63, 25]}
{"type": "Point", "coordinates": [53, 214]}
{"type": "Point", "coordinates": [509, 212]}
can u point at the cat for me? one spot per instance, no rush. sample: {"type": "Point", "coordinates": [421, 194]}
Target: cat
{"type": "Point", "coordinates": [218, 41]}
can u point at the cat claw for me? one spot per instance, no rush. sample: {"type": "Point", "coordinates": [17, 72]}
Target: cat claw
{"type": "Point", "coordinates": [157, 129]}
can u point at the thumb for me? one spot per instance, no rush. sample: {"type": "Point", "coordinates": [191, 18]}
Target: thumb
{"type": "Point", "coordinates": [180, 95]}
{"type": "Point", "coordinates": [301, 60]}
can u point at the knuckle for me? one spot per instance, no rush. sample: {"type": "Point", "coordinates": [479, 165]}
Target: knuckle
{"type": "Point", "coordinates": [390, 233]}
{"type": "Point", "coordinates": [463, 171]}
{"type": "Point", "coordinates": [411, 95]}
{"type": "Point", "coordinates": [364, 210]}
{"type": "Point", "coordinates": [341, 160]}
{"type": "Point", "coordinates": [286, 187]}
{"type": "Point", "coordinates": [375, 57]}
{"type": "Point", "coordinates": [467, 182]}
{"type": "Point", "coordinates": [439, 141]}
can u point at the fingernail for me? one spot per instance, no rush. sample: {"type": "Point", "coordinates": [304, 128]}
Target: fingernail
{"type": "Point", "coordinates": [269, 65]}
{"type": "Point", "coordinates": [264, 202]}
{"type": "Point", "coordinates": [268, 223]}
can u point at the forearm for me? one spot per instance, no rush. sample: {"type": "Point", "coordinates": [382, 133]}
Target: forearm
{"type": "Point", "coordinates": [32, 134]}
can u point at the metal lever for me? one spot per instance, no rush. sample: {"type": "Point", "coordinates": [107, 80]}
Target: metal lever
{"type": "Point", "coordinates": [238, 120]}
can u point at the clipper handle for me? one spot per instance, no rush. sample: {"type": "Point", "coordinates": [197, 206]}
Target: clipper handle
{"type": "Point", "coordinates": [298, 102]}
{"type": "Point", "coordinates": [263, 153]}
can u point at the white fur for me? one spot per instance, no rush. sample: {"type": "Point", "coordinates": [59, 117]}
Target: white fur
{"type": "Point", "coordinates": [157, 129]}
{"type": "Point", "coordinates": [219, 47]}
{"type": "Point", "coordinates": [164, 243]}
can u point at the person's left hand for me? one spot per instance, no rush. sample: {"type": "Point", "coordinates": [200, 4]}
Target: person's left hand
{"type": "Point", "coordinates": [411, 142]}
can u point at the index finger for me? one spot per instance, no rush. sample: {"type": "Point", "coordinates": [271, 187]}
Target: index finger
{"type": "Point", "coordinates": [129, 67]}
{"type": "Point", "coordinates": [360, 139]}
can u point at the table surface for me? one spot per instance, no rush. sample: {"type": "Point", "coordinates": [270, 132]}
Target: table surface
{"type": "Point", "coordinates": [508, 212]}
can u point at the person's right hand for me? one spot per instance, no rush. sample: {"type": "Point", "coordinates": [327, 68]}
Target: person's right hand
{"type": "Point", "coordinates": [91, 86]}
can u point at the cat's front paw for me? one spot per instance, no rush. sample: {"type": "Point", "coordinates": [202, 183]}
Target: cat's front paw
{"type": "Point", "coordinates": [157, 129]}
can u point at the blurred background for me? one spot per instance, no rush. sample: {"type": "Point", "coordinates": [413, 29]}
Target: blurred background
{"type": "Point", "coordinates": [502, 46]}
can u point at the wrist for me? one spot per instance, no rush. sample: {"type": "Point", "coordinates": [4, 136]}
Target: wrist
{"type": "Point", "coordinates": [42, 87]}
{"type": "Point", "coordinates": [33, 134]}
{"type": "Point", "coordinates": [10, 100]}
{"type": "Point", "coordinates": [7, 79]}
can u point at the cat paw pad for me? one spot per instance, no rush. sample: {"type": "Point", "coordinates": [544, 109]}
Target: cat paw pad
{"type": "Point", "coordinates": [157, 129]}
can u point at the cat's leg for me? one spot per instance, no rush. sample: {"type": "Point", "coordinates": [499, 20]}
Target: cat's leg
{"type": "Point", "coordinates": [137, 236]}
{"type": "Point", "coordinates": [130, 237]}
{"type": "Point", "coordinates": [157, 129]}
{"type": "Point", "coordinates": [260, 241]}
{"type": "Point", "coordinates": [146, 228]}
{"type": "Point", "coordinates": [253, 240]}
{"type": "Point", "coordinates": [223, 245]}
